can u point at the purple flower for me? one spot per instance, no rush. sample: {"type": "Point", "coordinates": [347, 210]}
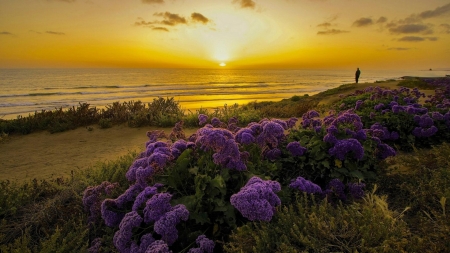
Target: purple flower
{"type": "Point", "coordinates": [336, 188]}
{"type": "Point", "coordinates": [146, 241]}
{"type": "Point", "coordinates": [143, 197]}
{"type": "Point", "coordinates": [111, 218]}
{"type": "Point", "coordinates": [273, 154]}
{"type": "Point", "coordinates": [329, 138]}
{"type": "Point", "coordinates": [358, 104]}
{"type": "Point", "coordinates": [158, 247]}
{"type": "Point", "coordinates": [157, 206]}
{"type": "Point", "coordinates": [437, 116]}
{"type": "Point", "coordinates": [378, 107]}
{"type": "Point", "coordinates": [216, 122]}
{"type": "Point", "coordinates": [166, 225]}
{"type": "Point", "coordinates": [95, 245]}
{"type": "Point", "coordinates": [295, 148]}
{"type": "Point", "coordinates": [305, 186]}
{"type": "Point", "coordinates": [202, 118]}
{"type": "Point", "coordinates": [257, 199]}
{"type": "Point", "coordinates": [122, 238]}
{"type": "Point", "coordinates": [356, 190]}
{"type": "Point", "coordinates": [310, 114]}
{"type": "Point", "coordinates": [291, 122]}
{"type": "Point", "coordinates": [342, 147]}
{"type": "Point", "coordinates": [205, 245]}
{"type": "Point", "coordinates": [384, 151]}
{"type": "Point", "coordinates": [92, 199]}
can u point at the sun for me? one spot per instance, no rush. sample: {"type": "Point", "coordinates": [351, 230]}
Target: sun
{"type": "Point", "coordinates": [222, 64]}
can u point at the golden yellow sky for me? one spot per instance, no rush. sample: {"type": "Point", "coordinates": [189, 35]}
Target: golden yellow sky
{"type": "Point", "coordinates": [302, 34]}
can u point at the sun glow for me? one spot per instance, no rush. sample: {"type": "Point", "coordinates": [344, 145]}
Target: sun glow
{"type": "Point", "coordinates": [222, 64]}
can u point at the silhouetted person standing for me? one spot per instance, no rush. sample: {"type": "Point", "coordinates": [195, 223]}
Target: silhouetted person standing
{"type": "Point", "coordinates": [358, 72]}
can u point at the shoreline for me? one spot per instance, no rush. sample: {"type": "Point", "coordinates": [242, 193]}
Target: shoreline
{"type": "Point", "coordinates": [43, 155]}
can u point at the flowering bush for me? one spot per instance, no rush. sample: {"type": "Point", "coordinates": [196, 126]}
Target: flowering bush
{"type": "Point", "coordinates": [257, 199]}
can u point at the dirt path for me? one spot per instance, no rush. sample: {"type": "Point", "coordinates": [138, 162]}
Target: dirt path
{"type": "Point", "coordinates": [44, 155]}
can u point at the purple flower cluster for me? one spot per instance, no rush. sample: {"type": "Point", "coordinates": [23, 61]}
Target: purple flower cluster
{"type": "Point", "coordinates": [335, 190]}
{"type": "Point", "coordinates": [343, 147]}
{"type": "Point", "coordinates": [358, 105]}
{"type": "Point", "coordinates": [272, 134]}
{"type": "Point", "coordinates": [304, 185]}
{"type": "Point", "coordinates": [310, 119]}
{"type": "Point", "coordinates": [426, 126]}
{"type": "Point", "coordinates": [381, 132]}
{"type": "Point", "coordinates": [257, 199]}
{"type": "Point", "coordinates": [166, 225]}
{"type": "Point", "coordinates": [92, 199]}
{"type": "Point", "coordinates": [177, 131]}
{"type": "Point", "coordinates": [122, 238]}
{"type": "Point", "coordinates": [202, 118]}
{"type": "Point", "coordinates": [158, 247]}
{"type": "Point", "coordinates": [204, 244]}
{"type": "Point", "coordinates": [112, 209]}
{"type": "Point", "coordinates": [356, 190]}
{"type": "Point", "coordinates": [296, 148]}
{"type": "Point", "coordinates": [291, 122]}
{"type": "Point", "coordinates": [226, 149]}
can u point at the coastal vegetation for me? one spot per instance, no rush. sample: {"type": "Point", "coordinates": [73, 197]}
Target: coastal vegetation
{"type": "Point", "coordinates": [365, 172]}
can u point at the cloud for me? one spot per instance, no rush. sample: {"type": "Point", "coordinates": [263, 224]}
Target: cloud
{"type": "Point", "coordinates": [411, 28]}
{"type": "Point", "coordinates": [381, 20]}
{"type": "Point", "coordinates": [439, 11]}
{"type": "Point", "coordinates": [171, 19]}
{"type": "Point", "coordinates": [160, 29]}
{"type": "Point", "coordinates": [325, 24]}
{"type": "Point", "coordinates": [245, 3]}
{"type": "Point", "coordinates": [399, 48]}
{"type": "Point", "coordinates": [153, 1]}
{"type": "Point", "coordinates": [363, 22]}
{"type": "Point", "coordinates": [331, 32]}
{"type": "Point", "coordinates": [445, 28]}
{"type": "Point", "coordinates": [197, 17]}
{"type": "Point", "coordinates": [55, 33]}
{"type": "Point", "coordinates": [417, 39]}
{"type": "Point", "coordinates": [5, 33]}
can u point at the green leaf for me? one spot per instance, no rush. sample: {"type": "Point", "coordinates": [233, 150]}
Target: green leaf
{"type": "Point", "coordinates": [357, 173]}
{"type": "Point", "coordinates": [219, 184]}
{"type": "Point", "coordinates": [193, 170]}
{"type": "Point", "coordinates": [200, 217]}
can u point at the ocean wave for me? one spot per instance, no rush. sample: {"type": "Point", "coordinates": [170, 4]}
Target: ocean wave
{"type": "Point", "coordinates": [16, 104]}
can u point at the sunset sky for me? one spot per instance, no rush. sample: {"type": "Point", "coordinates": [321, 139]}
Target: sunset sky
{"type": "Point", "coordinates": [301, 34]}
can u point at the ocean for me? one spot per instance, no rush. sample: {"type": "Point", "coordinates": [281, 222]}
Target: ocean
{"type": "Point", "coordinates": [24, 91]}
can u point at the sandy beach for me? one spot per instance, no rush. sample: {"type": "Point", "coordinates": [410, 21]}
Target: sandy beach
{"type": "Point", "coordinates": [43, 155]}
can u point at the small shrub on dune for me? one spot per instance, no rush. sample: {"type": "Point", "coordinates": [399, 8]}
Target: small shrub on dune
{"type": "Point", "coordinates": [311, 225]}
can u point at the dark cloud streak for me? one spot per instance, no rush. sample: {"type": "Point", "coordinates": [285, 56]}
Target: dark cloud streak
{"type": "Point", "coordinates": [417, 39]}
{"type": "Point", "coordinates": [246, 3]}
{"type": "Point", "coordinates": [410, 28]}
{"type": "Point", "coordinates": [5, 33]}
{"type": "Point", "coordinates": [331, 32]}
{"type": "Point", "coordinates": [197, 17]}
{"type": "Point", "coordinates": [171, 19]}
{"type": "Point", "coordinates": [381, 20]}
{"type": "Point", "coordinates": [436, 12]}
{"type": "Point", "coordinates": [153, 1]}
{"type": "Point", "coordinates": [363, 22]}
{"type": "Point", "coordinates": [160, 29]}
{"type": "Point", "coordinates": [55, 33]}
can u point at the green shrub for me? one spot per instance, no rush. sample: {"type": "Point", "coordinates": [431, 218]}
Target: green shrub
{"type": "Point", "coordinates": [105, 123]}
{"type": "Point", "coordinates": [310, 226]}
